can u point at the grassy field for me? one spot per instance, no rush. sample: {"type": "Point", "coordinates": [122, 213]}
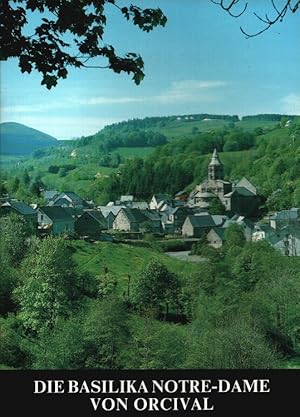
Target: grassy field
{"type": "Point", "coordinates": [179, 128]}
{"type": "Point", "coordinates": [140, 152]}
{"type": "Point", "coordinates": [188, 128]}
{"type": "Point", "coordinates": [122, 259]}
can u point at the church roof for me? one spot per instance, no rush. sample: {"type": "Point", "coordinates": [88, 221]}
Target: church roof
{"type": "Point", "coordinates": [247, 184]}
{"type": "Point", "coordinates": [204, 195]}
{"type": "Point", "coordinates": [215, 160]}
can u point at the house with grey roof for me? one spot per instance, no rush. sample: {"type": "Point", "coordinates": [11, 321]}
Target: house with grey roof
{"type": "Point", "coordinates": [197, 224]}
{"type": "Point", "coordinates": [20, 208]}
{"type": "Point", "coordinates": [153, 220]}
{"type": "Point", "coordinates": [216, 237]}
{"type": "Point", "coordinates": [50, 195]}
{"type": "Point", "coordinates": [135, 220]}
{"type": "Point", "coordinates": [285, 240]}
{"type": "Point", "coordinates": [160, 202]}
{"type": "Point", "coordinates": [69, 199]}
{"type": "Point", "coordinates": [55, 220]}
{"type": "Point", "coordinates": [91, 223]}
{"type": "Point", "coordinates": [246, 225]}
{"type": "Point", "coordinates": [284, 218]}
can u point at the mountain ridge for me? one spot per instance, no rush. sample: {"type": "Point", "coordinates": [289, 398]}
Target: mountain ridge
{"type": "Point", "coordinates": [19, 139]}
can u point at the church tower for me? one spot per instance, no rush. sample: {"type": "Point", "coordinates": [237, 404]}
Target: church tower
{"type": "Point", "coordinates": [215, 167]}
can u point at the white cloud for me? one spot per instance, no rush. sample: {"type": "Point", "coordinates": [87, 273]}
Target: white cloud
{"type": "Point", "coordinates": [34, 108]}
{"type": "Point", "coordinates": [108, 100]}
{"type": "Point", "coordinates": [192, 91]}
{"type": "Point", "coordinates": [197, 84]}
{"type": "Point", "coordinates": [291, 103]}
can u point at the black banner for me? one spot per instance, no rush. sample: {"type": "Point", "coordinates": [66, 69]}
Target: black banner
{"type": "Point", "coordinates": [130, 393]}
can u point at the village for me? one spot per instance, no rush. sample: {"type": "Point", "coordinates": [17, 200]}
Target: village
{"type": "Point", "coordinates": [185, 215]}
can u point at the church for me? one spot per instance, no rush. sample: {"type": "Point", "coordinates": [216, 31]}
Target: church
{"type": "Point", "coordinates": [237, 198]}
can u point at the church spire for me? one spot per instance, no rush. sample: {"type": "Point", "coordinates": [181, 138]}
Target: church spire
{"type": "Point", "coordinates": [215, 167]}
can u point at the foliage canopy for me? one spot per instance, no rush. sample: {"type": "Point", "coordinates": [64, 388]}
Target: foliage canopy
{"type": "Point", "coordinates": [70, 34]}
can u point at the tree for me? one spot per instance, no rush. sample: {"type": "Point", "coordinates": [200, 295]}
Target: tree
{"type": "Point", "coordinates": [234, 237]}
{"type": "Point", "coordinates": [277, 15]}
{"type": "Point", "coordinates": [237, 345]}
{"type": "Point", "coordinates": [12, 352]}
{"type": "Point", "coordinates": [155, 286]}
{"type": "Point", "coordinates": [216, 206]}
{"type": "Point", "coordinates": [14, 231]}
{"type": "Point", "coordinates": [51, 287]}
{"type": "Point", "coordinates": [8, 282]}
{"type": "Point", "coordinates": [51, 52]}
{"type": "Point", "coordinates": [156, 345]}
{"type": "Point", "coordinates": [106, 334]}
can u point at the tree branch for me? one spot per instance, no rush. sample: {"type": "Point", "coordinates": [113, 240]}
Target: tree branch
{"type": "Point", "coordinates": [229, 7]}
{"type": "Point", "coordinates": [279, 13]}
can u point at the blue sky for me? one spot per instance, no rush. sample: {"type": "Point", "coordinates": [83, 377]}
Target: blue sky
{"type": "Point", "coordinates": [199, 63]}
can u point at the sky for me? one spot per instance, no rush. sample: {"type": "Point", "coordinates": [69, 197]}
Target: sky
{"type": "Point", "coordinates": [200, 62]}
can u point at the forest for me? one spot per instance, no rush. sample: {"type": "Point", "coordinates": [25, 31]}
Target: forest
{"type": "Point", "coordinates": [226, 312]}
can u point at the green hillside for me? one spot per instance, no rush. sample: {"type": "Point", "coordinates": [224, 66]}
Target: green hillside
{"type": "Point", "coordinates": [263, 148]}
{"type": "Point", "coordinates": [121, 260]}
{"type": "Point", "coordinates": [271, 161]}
{"type": "Point", "coordinates": [18, 139]}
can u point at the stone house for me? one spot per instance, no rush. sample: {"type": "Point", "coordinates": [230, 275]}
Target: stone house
{"type": "Point", "coordinates": [55, 220]}
{"type": "Point", "coordinates": [134, 220]}
{"type": "Point", "coordinates": [215, 237]}
{"type": "Point", "coordinates": [196, 225]}
{"type": "Point", "coordinates": [110, 213]}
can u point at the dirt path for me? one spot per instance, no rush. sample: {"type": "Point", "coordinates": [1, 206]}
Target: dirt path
{"type": "Point", "coordinates": [184, 256]}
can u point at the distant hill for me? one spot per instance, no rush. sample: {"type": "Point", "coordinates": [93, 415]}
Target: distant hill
{"type": "Point", "coordinates": [18, 139]}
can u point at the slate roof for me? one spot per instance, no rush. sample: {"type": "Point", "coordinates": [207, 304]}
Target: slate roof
{"type": "Point", "coordinates": [162, 197]}
{"type": "Point", "coordinates": [244, 183]}
{"type": "Point", "coordinates": [201, 221]}
{"type": "Point", "coordinates": [105, 210]}
{"type": "Point", "coordinates": [72, 196]}
{"type": "Point", "coordinates": [142, 205]}
{"type": "Point", "coordinates": [239, 220]}
{"type": "Point", "coordinates": [219, 219]}
{"type": "Point", "coordinates": [286, 214]}
{"type": "Point", "coordinates": [56, 213]}
{"type": "Point", "coordinates": [135, 215]}
{"type": "Point", "coordinates": [125, 198]}
{"type": "Point", "coordinates": [49, 195]}
{"type": "Point", "coordinates": [151, 215]}
{"type": "Point", "coordinates": [20, 207]}
{"type": "Point", "coordinates": [98, 216]}
{"type": "Point", "coordinates": [241, 191]}
{"type": "Point", "coordinates": [220, 232]}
